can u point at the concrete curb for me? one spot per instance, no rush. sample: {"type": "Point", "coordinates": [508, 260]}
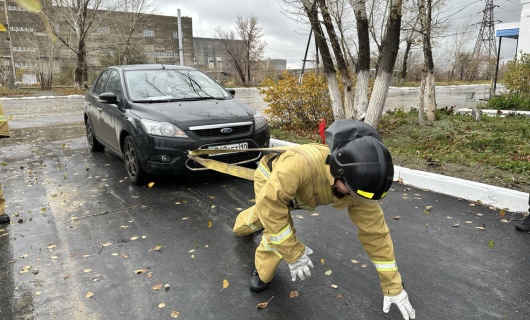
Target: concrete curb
{"type": "Point", "coordinates": [503, 198]}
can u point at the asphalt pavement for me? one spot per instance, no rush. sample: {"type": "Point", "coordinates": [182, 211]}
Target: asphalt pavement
{"type": "Point", "coordinates": [84, 243]}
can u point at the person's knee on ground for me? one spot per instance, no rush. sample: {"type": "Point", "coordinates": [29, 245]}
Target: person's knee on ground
{"type": "Point", "coordinates": [247, 222]}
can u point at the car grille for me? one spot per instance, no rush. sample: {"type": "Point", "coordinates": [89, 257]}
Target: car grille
{"type": "Point", "coordinates": [233, 158]}
{"type": "Point", "coordinates": [216, 132]}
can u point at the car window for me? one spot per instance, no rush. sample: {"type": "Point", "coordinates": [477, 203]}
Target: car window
{"type": "Point", "coordinates": [114, 85]}
{"type": "Point", "coordinates": [99, 86]}
{"type": "Point", "coordinates": [167, 84]}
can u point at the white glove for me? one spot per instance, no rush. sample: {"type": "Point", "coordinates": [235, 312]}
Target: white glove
{"type": "Point", "coordinates": [402, 302]}
{"type": "Point", "coordinates": [301, 266]}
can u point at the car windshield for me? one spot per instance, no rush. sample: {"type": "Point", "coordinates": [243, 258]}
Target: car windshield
{"type": "Point", "coordinates": [171, 85]}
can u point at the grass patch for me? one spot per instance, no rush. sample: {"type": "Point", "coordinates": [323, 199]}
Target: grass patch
{"type": "Point", "coordinates": [494, 151]}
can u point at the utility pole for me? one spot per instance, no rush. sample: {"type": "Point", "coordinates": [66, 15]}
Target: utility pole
{"type": "Point", "coordinates": [10, 44]}
{"type": "Point", "coordinates": [486, 44]}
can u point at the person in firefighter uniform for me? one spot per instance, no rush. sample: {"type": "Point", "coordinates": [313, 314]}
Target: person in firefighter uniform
{"type": "Point", "coordinates": [4, 133]}
{"type": "Point", "coordinates": [352, 171]}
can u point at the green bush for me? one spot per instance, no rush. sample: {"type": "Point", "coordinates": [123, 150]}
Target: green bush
{"type": "Point", "coordinates": [510, 101]}
{"type": "Point", "coordinates": [295, 106]}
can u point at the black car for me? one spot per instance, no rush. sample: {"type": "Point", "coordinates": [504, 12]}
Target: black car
{"type": "Point", "coordinates": [151, 115]}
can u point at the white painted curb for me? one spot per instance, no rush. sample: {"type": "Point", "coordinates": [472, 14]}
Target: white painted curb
{"type": "Point", "coordinates": [502, 198]}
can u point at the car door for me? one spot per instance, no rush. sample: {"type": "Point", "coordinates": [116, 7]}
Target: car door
{"type": "Point", "coordinates": [92, 106]}
{"type": "Point", "coordinates": [112, 118]}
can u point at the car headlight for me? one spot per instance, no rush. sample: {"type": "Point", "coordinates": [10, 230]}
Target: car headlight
{"type": "Point", "coordinates": [260, 120]}
{"type": "Point", "coordinates": [164, 129]}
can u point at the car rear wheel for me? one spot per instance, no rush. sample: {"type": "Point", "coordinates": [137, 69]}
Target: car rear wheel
{"type": "Point", "coordinates": [93, 143]}
{"type": "Point", "coordinates": [134, 169]}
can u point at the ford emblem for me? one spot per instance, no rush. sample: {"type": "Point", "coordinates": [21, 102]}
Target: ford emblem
{"type": "Point", "coordinates": [226, 130]}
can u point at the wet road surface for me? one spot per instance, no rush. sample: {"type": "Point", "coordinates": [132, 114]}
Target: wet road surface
{"type": "Point", "coordinates": [84, 243]}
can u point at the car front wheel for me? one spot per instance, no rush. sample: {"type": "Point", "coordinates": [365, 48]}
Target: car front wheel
{"type": "Point", "coordinates": [134, 169]}
{"type": "Point", "coordinates": [93, 143]}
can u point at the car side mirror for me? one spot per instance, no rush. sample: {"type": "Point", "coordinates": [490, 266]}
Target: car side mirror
{"type": "Point", "coordinates": [232, 92]}
{"type": "Point", "coordinates": [108, 97]}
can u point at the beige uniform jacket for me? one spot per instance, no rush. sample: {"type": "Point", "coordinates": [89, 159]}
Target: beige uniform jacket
{"type": "Point", "coordinates": [4, 128]}
{"type": "Point", "coordinates": [301, 177]}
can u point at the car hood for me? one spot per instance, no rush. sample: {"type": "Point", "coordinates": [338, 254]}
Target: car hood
{"type": "Point", "coordinates": [192, 113]}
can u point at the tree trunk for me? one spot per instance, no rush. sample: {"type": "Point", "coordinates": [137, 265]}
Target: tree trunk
{"type": "Point", "coordinates": [421, 102]}
{"type": "Point", "coordinates": [329, 69]}
{"type": "Point", "coordinates": [426, 23]}
{"type": "Point", "coordinates": [363, 64]}
{"type": "Point", "coordinates": [341, 63]}
{"type": "Point", "coordinates": [386, 63]}
{"type": "Point", "coordinates": [405, 60]}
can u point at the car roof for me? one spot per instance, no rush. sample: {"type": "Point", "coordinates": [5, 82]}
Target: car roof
{"type": "Point", "coordinates": [158, 66]}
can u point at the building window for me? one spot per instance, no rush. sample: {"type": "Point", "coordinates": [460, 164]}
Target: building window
{"type": "Point", "coordinates": [149, 33]}
{"type": "Point", "coordinates": [210, 59]}
{"type": "Point", "coordinates": [32, 49]}
{"type": "Point", "coordinates": [218, 59]}
{"type": "Point", "coordinates": [25, 64]}
{"type": "Point", "coordinates": [175, 34]}
{"type": "Point", "coordinates": [103, 30]}
{"type": "Point", "coordinates": [26, 29]}
{"type": "Point", "coordinates": [15, 8]}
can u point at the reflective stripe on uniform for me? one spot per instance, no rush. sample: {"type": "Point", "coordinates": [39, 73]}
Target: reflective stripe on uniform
{"type": "Point", "coordinates": [269, 248]}
{"type": "Point", "coordinates": [264, 171]}
{"type": "Point", "coordinates": [280, 237]}
{"type": "Point", "coordinates": [249, 220]}
{"type": "Point", "coordinates": [385, 265]}
{"type": "Point", "coordinates": [365, 194]}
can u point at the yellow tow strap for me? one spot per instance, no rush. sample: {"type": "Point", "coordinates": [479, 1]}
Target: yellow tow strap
{"type": "Point", "coordinates": [228, 168]}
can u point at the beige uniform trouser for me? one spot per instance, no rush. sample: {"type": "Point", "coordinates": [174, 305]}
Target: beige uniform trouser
{"type": "Point", "coordinates": [2, 202]}
{"type": "Point", "coordinates": [247, 222]}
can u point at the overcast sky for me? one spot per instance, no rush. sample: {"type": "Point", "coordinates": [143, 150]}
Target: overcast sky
{"type": "Point", "coordinates": [287, 39]}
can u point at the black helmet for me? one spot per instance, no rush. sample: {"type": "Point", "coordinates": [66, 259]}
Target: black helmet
{"type": "Point", "coordinates": [359, 158]}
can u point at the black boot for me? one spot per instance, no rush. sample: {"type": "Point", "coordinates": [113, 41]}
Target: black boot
{"type": "Point", "coordinates": [255, 284]}
{"type": "Point", "coordinates": [4, 218]}
{"type": "Point", "coordinates": [524, 225]}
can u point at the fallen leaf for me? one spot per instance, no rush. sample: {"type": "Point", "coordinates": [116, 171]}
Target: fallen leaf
{"type": "Point", "coordinates": [87, 270]}
{"type": "Point", "coordinates": [25, 269]}
{"type": "Point", "coordinates": [166, 286]}
{"type": "Point", "coordinates": [364, 265]}
{"type": "Point", "coordinates": [426, 212]}
{"type": "Point", "coordinates": [51, 246]}
{"type": "Point", "coordinates": [213, 206]}
{"type": "Point", "coordinates": [491, 244]}
{"type": "Point", "coordinates": [456, 225]}
{"type": "Point", "coordinates": [150, 184]}
{"type": "Point", "coordinates": [115, 254]}
{"type": "Point", "coordinates": [211, 197]}
{"type": "Point", "coordinates": [396, 217]}
{"type": "Point", "coordinates": [106, 244]}
{"type": "Point", "coordinates": [400, 180]}
{"type": "Point", "coordinates": [469, 222]}
{"type": "Point", "coordinates": [328, 272]}
{"type": "Point", "coordinates": [502, 213]}
{"type": "Point", "coordinates": [37, 293]}
{"type": "Point", "coordinates": [314, 214]}
{"type": "Point", "coordinates": [175, 314]}
{"type": "Point", "coordinates": [225, 284]}
{"type": "Point", "coordinates": [135, 238]}
{"type": "Point", "coordinates": [334, 286]}
{"type": "Point", "coordinates": [293, 294]}
{"type": "Point", "coordinates": [161, 305]}
{"type": "Point", "coordinates": [299, 216]}
{"type": "Point", "coordinates": [482, 227]}
{"type": "Point", "coordinates": [339, 296]}
{"type": "Point", "coordinates": [322, 261]}
{"type": "Point", "coordinates": [262, 305]}
{"type": "Point", "coordinates": [54, 257]}
{"type": "Point", "coordinates": [89, 294]}
{"type": "Point", "coordinates": [24, 256]}
{"type": "Point", "coordinates": [156, 248]}
{"type": "Point", "coordinates": [209, 223]}
{"type": "Point", "coordinates": [504, 220]}
{"type": "Point", "coordinates": [140, 271]}
{"type": "Point", "coordinates": [157, 287]}
{"type": "Point", "coordinates": [125, 255]}
{"type": "Point", "coordinates": [355, 261]}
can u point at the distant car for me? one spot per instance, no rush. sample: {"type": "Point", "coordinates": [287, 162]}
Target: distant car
{"type": "Point", "coordinates": [150, 115]}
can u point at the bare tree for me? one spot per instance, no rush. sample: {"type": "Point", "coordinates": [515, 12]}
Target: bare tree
{"type": "Point", "coordinates": [342, 67]}
{"type": "Point", "coordinates": [457, 45]}
{"type": "Point", "coordinates": [125, 23]}
{"type": "Point", "coordinates": [246, 49]}
{"type": "Point", "coordinates": [71, 22]}
{"type": "Point", "coordinates": [311, 11]}
{"type": "Point", "coordinates": [385, 64]}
